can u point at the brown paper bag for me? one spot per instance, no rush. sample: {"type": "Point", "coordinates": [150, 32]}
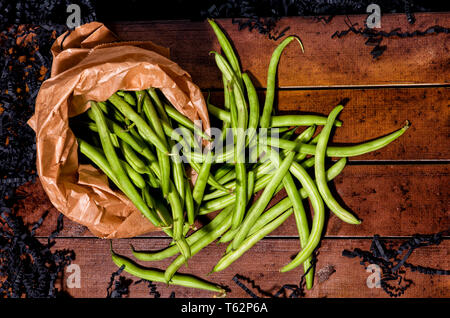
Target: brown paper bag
{"type": "Point", "coordinates": [91, 64]}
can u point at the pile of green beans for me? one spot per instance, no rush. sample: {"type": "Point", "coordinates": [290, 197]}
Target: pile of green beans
{"type": "Point", "coordinates": [145, 146]}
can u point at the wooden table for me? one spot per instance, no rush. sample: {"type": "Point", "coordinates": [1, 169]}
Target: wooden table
{"type": "Point", "coordinates": [397, 191]}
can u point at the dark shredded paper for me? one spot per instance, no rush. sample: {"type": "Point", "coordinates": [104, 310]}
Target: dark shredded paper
{"type": "Point", "coordinates": [393, 262]}
{"type": "Point", "coordinates": [286, 291]}
{"type": "Point", "coordinates": [119, 286]}
{"type": "Point", "coordinates": [374, 37]}
{"type": "Point", "coordinates": [28, 268]}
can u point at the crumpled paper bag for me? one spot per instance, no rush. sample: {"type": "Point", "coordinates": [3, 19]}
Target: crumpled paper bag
{"type": "Point", "coordinates": [90, 63]}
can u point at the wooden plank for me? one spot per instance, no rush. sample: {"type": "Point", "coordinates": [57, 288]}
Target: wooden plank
{"type": "Point", "coordinates": [371, 113]}
{"type": "Point", "coordinates": [348, 280]}
{"type": "Point", "coordinates": [326, 61]}
{"type": "Point", "coordinates": [392, 200]}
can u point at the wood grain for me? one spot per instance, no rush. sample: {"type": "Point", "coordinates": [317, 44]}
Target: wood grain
{"type": "Point", "coordinates": [397, 191]}
{"type": "Point", "coordinates": [327, 61]}
{"type": "Point", "coordinates": [391, 200]}
{"type": "Point", "coordinates": [348, 280]}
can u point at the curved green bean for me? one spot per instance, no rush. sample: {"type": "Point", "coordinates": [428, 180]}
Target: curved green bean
{"type": "Point", "coordinates": [325, 192]}
{"type": "Point", "coordinates": [301, 222]}
{"type": "Point", "coordinates": [253, 102]}
{"type": "Point", "coordinates": [158, 276]}
{"type": "Point", "coordinates": [271, 80]}
{"type": "Point", "coordinates": [337, 151]}
{"type": "Point", "coordinates": [227, 49]}
{"type": "Point", "coordinates": [159, 104]}
{"type": "Point", "coordinates": [135, 177]}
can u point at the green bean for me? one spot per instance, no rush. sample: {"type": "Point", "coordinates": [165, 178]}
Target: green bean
{"type": "Point", "coordinates": [162, 210]}
{"type": "Point", "coordinates": [279, 120]}
{"type": "Point", "coordinates": [146, 196]}
{"type": "Point", "coordinates": [138, 145]}
{"type": "Point", "coordinates": [227, 105]}
{"type": "Point", "coordinates": [135, 177]}
{"type": "Point", "coordinates": [227, 49]}
{"type": "Point", "coordinates": [119, 173]}
{"type": "Point", "coordinates": [304, 137]}
{"type": "Point", "coordinates": [325, 192]}
{"type": "Point", "coordinates": [128, 97]}
{"type": "Point", "coordinates": [147, 133]}
{"type": "Point", "coordinates": [163, 159]}
{"type": "Point", "coordinates": [132, 158]}
{"type": "Point", "coordinates": [158, 276]}
{"type": "Point", "coordinates": [178, 221]}
{"type": "Point", "coordinates": [241, 195]}
{"type": "Point", "coordinates": [153, 180]}
{"type": "Point", "coordinates": [300, 120]}
{"type": "Point", "coordinates": [319, 214]}
{"type": "Point", "coordinates": [271, 80]}
{"type": "Point", "coordinates": [223, 202]}
{"type": "Point", "coordinates": [250, 241]}
{"type": "Point", "coordinates": [140, 99]}
{"type": "Point", "coordinates": [159, 105]}
{"type": "Point", "coordinates": [93, 127]}
{"type": "Point", "coordinates": [262, 169]}
{"type": "Point", "coordinates": [256, 209]}
{"type": "Point", "coordinates": [179, 174]}
{"type": "Point", "coordinates": [219, 113]}
{"type": "Point", "coordinates": [300, 220]}
{"type": "Point", "coordinates": [308, 245]}
{"type": "Point", "coordinates": [182, 135]}
{"type": "Point", "coordinates": [117, 131]}
{"type": "Point", "coordinates": [202, 242]}
{"type": "Point", "coordinates": [211, 180]}
{"type": "Point", "coordinates": [159, 207]}
{"type": "Point", "coordinates": [222, 171]}
{"type": "Point", "coordinates": [250, 184]}
{"type": "Point", "coordinates": [261, 183]}
{"type": "Point", "coordinates": [239, 125]}
{"type": "Point", "coordinates": [288, 134]}
{"type": "Point", "coordinates": [98, 157]}
{"type": "Point", "coordinates": [189, 202]}
{"type": "Point", "coordinates": [253, 120]}
{"type": "Point", "coordinates": [338, 151]}
{"type": "Point", "coordinates": [173, 249]}
{"type": "Point", "coordinates": [202, 179]}
{"type": "Point", "coordinates": [241, 178]}
{"type": "Point", "coordinates": [183, 120]}
{"type": "Point", "coordinates": [236, 88]}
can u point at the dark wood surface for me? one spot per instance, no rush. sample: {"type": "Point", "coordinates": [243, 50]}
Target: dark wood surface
{"type": "Point", "coordinates": [397, 191]}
